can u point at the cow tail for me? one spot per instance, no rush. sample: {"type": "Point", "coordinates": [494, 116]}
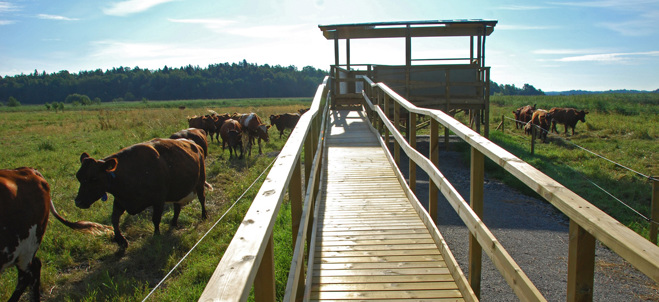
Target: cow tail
{"type": "Point", "coordinates": [208, 186]}
{"type": "Point", "coordinates": [83, 226]}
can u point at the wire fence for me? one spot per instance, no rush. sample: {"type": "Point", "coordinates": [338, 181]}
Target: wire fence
{"type": "Point", "coordinates": [648, 177]}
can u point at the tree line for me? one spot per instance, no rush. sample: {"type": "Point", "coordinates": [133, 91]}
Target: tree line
{"type": "Point", "coordinates": [224, 80]}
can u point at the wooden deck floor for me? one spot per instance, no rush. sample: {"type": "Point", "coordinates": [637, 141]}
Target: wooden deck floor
{"type": "Point", "coordinates": [370, 242]}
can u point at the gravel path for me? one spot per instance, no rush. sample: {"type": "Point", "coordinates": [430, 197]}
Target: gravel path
{"type": "Point", "coordinates": [533, 232]}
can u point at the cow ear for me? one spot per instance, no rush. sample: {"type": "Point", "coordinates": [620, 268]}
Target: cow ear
{"type": "Point", "coordinates": [83, 156]}
{"type": "Point", "coordinates": [110, 165]}
{"type": "Point", "coordinates": [268, 127]}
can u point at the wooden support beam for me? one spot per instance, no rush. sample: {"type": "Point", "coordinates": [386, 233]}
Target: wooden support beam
{"type": "Point", "coordinates": [397, 125]}
{"type": "Point", "coordinates": [434, 158]}
{"type": "Point", "coordinates": [654, 216]}
{"type": "Point", "coordinates": [580, 264]}
{"type": "Point", "coordinates": [264, 282]}
{"type": "Point", "coordinates": [295, 196]}
{"type": "Point", "coordinates": [411, 128]}
{"type": "Point", "coordinates": [476, 203]}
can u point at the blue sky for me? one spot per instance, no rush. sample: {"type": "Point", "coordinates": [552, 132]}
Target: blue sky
{"type": "Point", "coordinates": [553, 45]}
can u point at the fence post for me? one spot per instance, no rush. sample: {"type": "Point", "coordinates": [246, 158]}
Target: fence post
{"type": "Point", "coordinates": [386, 114]}
{"type": "Point", "coordinates": [434, 158]}
{"type": "Point", "coordinates": [295, 195]}
{"type": "Point", "coordinates": [397, 128]}
{"type": "Point", "coordinates": [654, 216]}
{"type": "Point", "coordinates": [264, 283]}
{"type": "Point", "coordinates": [503, 125]}
{"type": "Point", "coordinates": [580, 264]}
{"type": "Point", "coordinates": [533, 135]}
{"type": "Point", "coordinates": [476, 202]}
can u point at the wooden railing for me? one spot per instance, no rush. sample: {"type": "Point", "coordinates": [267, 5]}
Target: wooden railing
{"type": "Point", "coordinates": [249, 259]}
{"type": "Point", "coordinates": [587, 222]}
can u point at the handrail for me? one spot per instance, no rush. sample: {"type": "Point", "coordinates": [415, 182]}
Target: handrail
{"type": "Point", "coordinates": [245, 258]}
{"type": "Point", "coordinates": [517, 279]}
{"type": "Point", "coordinates": [628, 244]}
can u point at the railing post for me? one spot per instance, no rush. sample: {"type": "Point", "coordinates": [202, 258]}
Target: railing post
{"type": "Point", "coordinates": [386, 114]}
{"type": "Point", "coordinates": [295, 196]}
{"type": "Point", "coordinates": [434, 158]}
{"type": "Point", "coordinates": [446, 138]}
{"type": "Point", "coordinates": [411, 126]}
{"type": "Point", "coordinates": [654, 216]}
{"type": "Point", "coordinates": [397, 127]}
{"type": "Point", "coordinates": [533, 135]}
{"type": "Point", "coordinates": [580, 264]}
{"type": "Point", "coordinates": [264, 283]}
{"type": "Point", "coordinates": [476, 203]}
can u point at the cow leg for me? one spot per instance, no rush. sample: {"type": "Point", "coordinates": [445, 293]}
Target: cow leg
{"type": "Point", "coordinates": [202, 199]}
{"type": "Point", "coordinates": [177, 211]}
{"type": "Point", "coordinates": [29, 277]}
{"type": "Point", "coordinates": [117, 211]}
{"type": "Point", "coordinates": [158, 208]}
{"type": "Point", "coordinates": [260, 146]}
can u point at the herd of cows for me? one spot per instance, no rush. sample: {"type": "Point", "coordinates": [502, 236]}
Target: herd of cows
{"type": "Point", "coordinates": [529, 116]}
{"type": "Point", "coordinates": [147, 174]}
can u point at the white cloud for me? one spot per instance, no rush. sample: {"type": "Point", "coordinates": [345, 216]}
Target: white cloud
{"type": "Point", "coordinates": [609, 57]}
{"type": "Point", "coordinates": [132, 6]}
{"type": "Point", "coordinates": [524, 27]}
{"type": "Point", "coordinates": [7, 7]}
{"type": "Point", "coordinates": [55, 17]}
{"type": "Point", "coordinates": [521, 7]}
{"type": "Point", "coordinates": [565, 51]}
{"type": "Point", "coordinates": [235, 28]}
{"type": "Point", "coordinates": [6, 22]}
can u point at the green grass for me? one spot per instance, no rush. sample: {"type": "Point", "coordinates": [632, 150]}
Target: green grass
{"type": "Point", "coordinates": [621, 127]}
{"type": "Point", "coordinates": [81, 267]}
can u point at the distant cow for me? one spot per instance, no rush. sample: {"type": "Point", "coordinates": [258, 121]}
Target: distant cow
{"type": "Point", "coordinates": [303, 110]}
{"type": "Point", "coordinates": [255, 129]}
{"type": "Point", "coordinates": [542, 119]}
{"type": "Point", "coordinates": [568, 117]}
{"type": "Point", "coordinates": [284, 121]}
{"type": "Point", "coordinates": [523, 115]}
{"type": "Point", "coordinates": [143, 175]}
{"type": "Point", "coordinates": [231, 133]}
{"type": "Point", "coordinates": [205, 122]}
{"type": "Point", "coordinates": [196, 135]}
{"type": "Point", "coordinates": [24, 205]}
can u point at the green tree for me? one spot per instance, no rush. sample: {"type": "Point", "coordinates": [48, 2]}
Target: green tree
{"type": "Point", "coordinates": [13, 102]}
{"type": "Point", "coordinates": [78, 99]}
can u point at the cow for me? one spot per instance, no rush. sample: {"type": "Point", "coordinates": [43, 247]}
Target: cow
{"type": "Point", "coordinates": [145, 175]}
{"type": "Point", "coordinates": [542, 119]}
{"type": "Point", "coordinates": [284, 121]}
{"type": "Point", "coordinates": [255, 129]}
{"type": "Point", "coordinates": [205, 122]}
{"type": "Point", "coordinates": [568, 117]}
{"type": "Point", "coordinates": [523, 115]}
{"type": "Point", "coordinates": [303, 110]}
{"type": "Point", "coordinates": [24, 205]}
{"type": "Point", "coordinates": [196, 135]}
{"type": "Point", "coordinates": [219, 121]}
{"type": "Point", "coordinates": [231, 133]}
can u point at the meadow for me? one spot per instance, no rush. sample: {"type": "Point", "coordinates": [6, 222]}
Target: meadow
{"type": "Point", "coordinates": [82, 267]}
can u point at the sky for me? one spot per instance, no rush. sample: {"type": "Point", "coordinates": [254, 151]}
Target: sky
{"type": "Point", "coordinates": [552, 45]}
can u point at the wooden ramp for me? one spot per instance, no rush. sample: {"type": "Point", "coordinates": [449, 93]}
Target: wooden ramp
{"type": "Point", "coordinates": [370, 242]}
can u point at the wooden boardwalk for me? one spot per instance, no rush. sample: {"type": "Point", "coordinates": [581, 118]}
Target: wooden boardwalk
{"type": "Point", "coordinates": [370, 242]}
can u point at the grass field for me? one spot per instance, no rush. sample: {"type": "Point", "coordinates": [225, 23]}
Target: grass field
{"type": "Point", "coordinates": [81, 267]}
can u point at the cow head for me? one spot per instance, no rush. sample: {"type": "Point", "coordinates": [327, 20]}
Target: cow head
{"type": "Point", "coordinates": [208, 123]}
{"type": "Point", "coordinates": [94, 177]}
{"type": "Point", "coordinates": [263, 132]}
{"type": "Point", "coordinates": [581, 115]}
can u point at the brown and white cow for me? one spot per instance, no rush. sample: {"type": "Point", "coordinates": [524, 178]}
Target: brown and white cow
{"type": "Point", "coordinates": [542, 120]}
{"type": "Point", "coordinates": [24, 205]}
{"type": "Point", "coordinates": [523, 115]}
{"type": "Point", "coordinates": [568, 117]}
{"type": "Point", "coordinates": [205, 122]}
{"type": "Point", "coordinates": [145, 175]}
{"type": "Point", "coordinates": [231, 133]}
{"type": "Point", "coordinates": [196, 135]}
{"type": "Point", "coordinates": [284, 121]}
{"type": "Point", "coordinates": [255, 129]}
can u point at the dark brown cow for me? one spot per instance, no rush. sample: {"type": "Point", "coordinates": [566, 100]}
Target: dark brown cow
{"type": "Point", "coordinates": [255, 129]}
{"type": "Point", "coordinates": [196, 135]}
{"type": "Point", "coordinates": [143, 175]}
{"type": "Point", "coordinates": [284, 121]}
{"type": "Point", "coordinates": [523, 115]}
{"type": "Point", "coordinates": [205, 122]}
{"type": "Point", "coordinates": [568, 117]}
{"type": "Point", "coordinates": [231, 133]}
{"type": "Point", "coordinates": [24, 205]}
{"type": "Point", "coordinates": [542, 119]}
{"type": "Point", "coordinates": [303, 110]}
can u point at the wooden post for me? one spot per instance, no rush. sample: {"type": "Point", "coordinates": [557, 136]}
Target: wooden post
{"type": "Point", "coordinates": [654, 216]}
{"type": "Point", "coordinates": [446, 132]}
{"type": "Point", "coordinates": [503, 125]}
{"type": "Point", "coordinates": [295, 195]}
{"type": "Point", "coordinates": [580, 264]}
{"type": "Point", "coordinates": [434, 158]}
{"type": "Point", "coordinates": [533, 134]}
{"type": "Point", "coordinates": [386, 114]}
{"type": "Point", "coordinates": [264, 282]}
{"type": "Point", "coordinates": [476, 203]}
{"type": "Point", "coordinates": [411, 126]}
{"type": "Point", "coordinates": [397, 127]}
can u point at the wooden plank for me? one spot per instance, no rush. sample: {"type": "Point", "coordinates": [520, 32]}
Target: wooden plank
{"type": "Point", "coordinates": [386, 286]}
{"type": "Point", "coordinates": [376, 253]}
{"type": "Point", "coordinates": [580, 264]}
{"type": "Point", "coordinates": [380, 259]}
{"type": "Point", "coordinates": [362, 295]}
{"type": "Point", "coordinates": [381, 279]}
